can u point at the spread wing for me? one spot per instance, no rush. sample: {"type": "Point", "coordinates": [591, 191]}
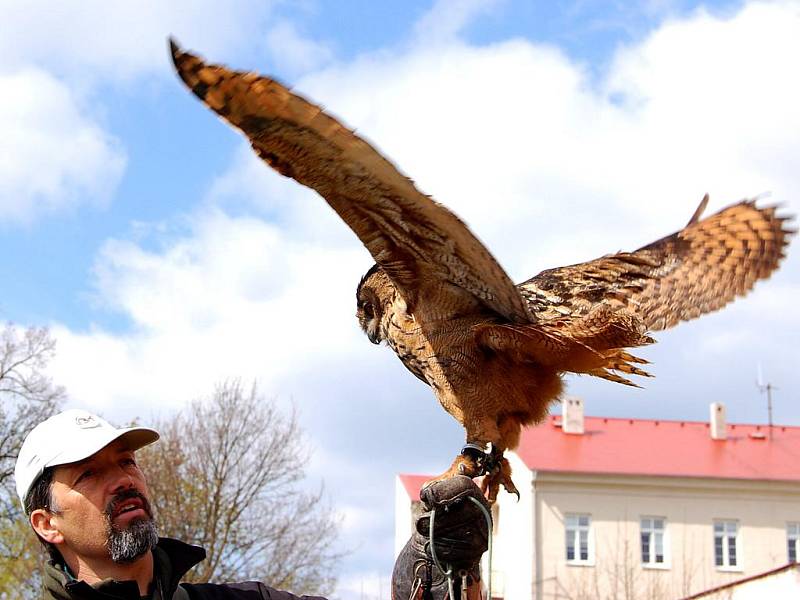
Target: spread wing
{"type": "Point", "coordinates": [587, 314]}
{"type": "Point", "coordinates": [696, 270]}
{"type": "Point", "coordinates": [416, 241]}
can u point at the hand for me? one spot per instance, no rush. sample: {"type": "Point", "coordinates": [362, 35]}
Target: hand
{"type": "Point", "coordinates": [460, 531]}
{"type": "Point", "coordinates": [460, 537]}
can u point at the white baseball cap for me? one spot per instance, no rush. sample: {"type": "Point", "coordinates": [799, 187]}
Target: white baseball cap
{"type": "Point", "coordinates": [66, 438]}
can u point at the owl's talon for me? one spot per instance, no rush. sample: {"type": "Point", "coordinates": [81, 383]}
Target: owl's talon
{"type": "Point", "coordinates": [474, 462]}
{"type": "Point", "coordinates": [499, 474]}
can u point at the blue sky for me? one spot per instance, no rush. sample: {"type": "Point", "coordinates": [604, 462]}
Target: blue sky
{"type": "Point", "coordinates": [164, 257]}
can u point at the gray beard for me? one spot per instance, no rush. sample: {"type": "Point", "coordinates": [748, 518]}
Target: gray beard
{"type": "Point", "coordinates": [133, 542]}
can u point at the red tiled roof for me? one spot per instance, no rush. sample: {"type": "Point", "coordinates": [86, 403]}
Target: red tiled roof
{"type": "Point", "coordinates": [664, 448]}
{"type": "Point", "coordinates": [413, 484]}
{"type": "Point", "coordinates": [656, 448]}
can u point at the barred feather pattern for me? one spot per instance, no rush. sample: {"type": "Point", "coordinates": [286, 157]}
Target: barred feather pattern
{"type": "Point", "coordinates": [694, 271]}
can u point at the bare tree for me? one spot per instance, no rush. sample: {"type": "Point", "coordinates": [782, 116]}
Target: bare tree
{"type": "Point", "coordinates": [622, 576]}
{"type": "Point", "coordinates": [27, 397]}
{"type": "Point", "coordinates": [226, 475]}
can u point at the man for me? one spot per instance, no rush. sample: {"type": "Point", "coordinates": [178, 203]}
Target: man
{"type": "Point", "coordinates": [87, 501]}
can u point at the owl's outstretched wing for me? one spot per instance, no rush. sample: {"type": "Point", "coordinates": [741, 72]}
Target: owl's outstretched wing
{"type": "Point", "coordinates": [417, 242]}
{"type": "Point", "coordinates": [586, 315]}
{"type": "Point", "coordinates": [696, 270]}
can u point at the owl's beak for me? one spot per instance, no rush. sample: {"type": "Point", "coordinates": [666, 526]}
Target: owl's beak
{"type": "Point", "coordinates": [374, 335]}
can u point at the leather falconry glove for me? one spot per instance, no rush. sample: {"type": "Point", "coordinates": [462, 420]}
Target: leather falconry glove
{"type": "Point", "coordinates": [460, 538]}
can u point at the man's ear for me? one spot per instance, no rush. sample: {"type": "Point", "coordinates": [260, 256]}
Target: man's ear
{"type": "Point", "coordinates": [44, 523]}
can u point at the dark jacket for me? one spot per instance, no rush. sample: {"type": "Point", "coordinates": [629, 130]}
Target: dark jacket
{"type": "Point", "coordinates": [172, 559]}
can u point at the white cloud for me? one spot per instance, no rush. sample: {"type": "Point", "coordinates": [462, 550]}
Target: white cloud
{"type": "Point", "coordinates": [294, 52]}
{"type": "Point", "coordinates": [55, 153]}
{"type": "Point", "coordinates": [52, 156]}
{"type": "Point", "coordinates": [447, 18]}
{"type": "Point", "coordinates": [123, 40]}
{"type": "Point", "coordinates": [235, 297]}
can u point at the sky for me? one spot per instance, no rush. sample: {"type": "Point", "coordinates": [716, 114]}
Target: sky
{"type": "Point", "coordinates": [165, 257]}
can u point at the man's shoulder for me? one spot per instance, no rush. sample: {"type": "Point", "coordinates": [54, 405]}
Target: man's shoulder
{"type": "Point", "coordinates": [246, 590]}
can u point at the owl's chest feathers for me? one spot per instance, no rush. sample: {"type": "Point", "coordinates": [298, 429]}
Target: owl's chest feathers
{"type": "Point", "coordinates": [446, 356]}
{"type": "Point", "coordinates": [404, 335]}
{"type": "Point", "coordinates": [442, 354]}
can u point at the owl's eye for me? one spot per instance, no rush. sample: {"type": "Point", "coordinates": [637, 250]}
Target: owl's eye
{"type": "Point", "coordinates": [368, 309]}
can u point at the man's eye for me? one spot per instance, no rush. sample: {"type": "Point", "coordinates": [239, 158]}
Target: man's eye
{"type": "Point", "coordinates": [85, 475]}
{"type": "Point", "coordinates": [129, 462]}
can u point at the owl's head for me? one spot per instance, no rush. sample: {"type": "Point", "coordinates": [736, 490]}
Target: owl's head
{"type": "Point", "coordinates": [373, 291]}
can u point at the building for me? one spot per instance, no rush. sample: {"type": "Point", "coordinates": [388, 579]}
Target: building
{"type": "Point", "coordinates": [633, 508]}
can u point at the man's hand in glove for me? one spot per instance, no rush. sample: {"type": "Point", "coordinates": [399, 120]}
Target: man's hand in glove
{"type": "Point", "coordinates": [460, 537]}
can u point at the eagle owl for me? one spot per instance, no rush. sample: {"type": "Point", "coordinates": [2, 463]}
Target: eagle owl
{"type": "Point", "coordinates": [494, 353]}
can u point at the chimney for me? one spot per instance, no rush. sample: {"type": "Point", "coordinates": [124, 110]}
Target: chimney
{"type": "Point", "coordinates": [572, 415]}
{"type": "Point", "coordinates": [718, 429]}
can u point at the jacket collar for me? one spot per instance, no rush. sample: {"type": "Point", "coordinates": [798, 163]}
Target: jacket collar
{"type": "Point", "coordinates": [171, 560]}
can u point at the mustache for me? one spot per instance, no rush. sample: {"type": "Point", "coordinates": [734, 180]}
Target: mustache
{"type": "Point", "coordinates": [124, 496]}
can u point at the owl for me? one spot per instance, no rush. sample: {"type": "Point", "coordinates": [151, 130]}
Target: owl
{"type": "Point", "coordinates": [494, 353]}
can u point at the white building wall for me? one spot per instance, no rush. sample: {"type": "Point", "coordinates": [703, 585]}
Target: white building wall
{"type": "Point", "coordinates": [529, 560]}
{"type": "Point", "coordinates": [512, 568]}
{"type": "Point", "coordinates": [616, 505]}
{"type": "Point", "coordinates": [402, 516]}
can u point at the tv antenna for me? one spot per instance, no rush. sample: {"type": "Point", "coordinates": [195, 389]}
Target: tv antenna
{"type": "Point", "coordinates": [766, 388]}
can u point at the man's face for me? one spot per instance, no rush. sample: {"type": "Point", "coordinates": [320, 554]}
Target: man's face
{"type": "Point", "coordinates": [101, 506]}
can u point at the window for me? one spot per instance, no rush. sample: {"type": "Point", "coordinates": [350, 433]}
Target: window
{"type": "Point", "coordinates": [793, 540]}
{"type": "Point", "coordinates": [725, 550]}
{"type": "Point", "coordinates": [652, 535]}
{"type": "Point", "coordinates": [577, 530]}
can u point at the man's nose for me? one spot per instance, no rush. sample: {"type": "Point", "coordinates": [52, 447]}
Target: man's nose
{"type": "Point", "coordinates": [123, 479]}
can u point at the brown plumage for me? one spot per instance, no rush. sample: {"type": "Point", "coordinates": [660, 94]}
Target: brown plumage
{"type": "Point", "coordinates": [494, 353]}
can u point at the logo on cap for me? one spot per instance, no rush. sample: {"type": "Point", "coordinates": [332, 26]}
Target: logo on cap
{"type": "Point", "coordinates": [86, 422]}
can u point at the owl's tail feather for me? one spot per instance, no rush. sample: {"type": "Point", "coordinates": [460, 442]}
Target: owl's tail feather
{"type": "Point", "coordinates": [610, 376]}
{"type": "Point", "coordinates": [619, 360]}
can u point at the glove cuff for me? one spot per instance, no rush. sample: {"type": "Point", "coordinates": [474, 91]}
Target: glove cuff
{"type": "Point", "coordinates": [415, 577]}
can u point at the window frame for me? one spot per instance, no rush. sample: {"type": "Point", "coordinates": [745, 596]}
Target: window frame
{"type": "Point", "coordinates": [793, 536]}
{"type": "Point", "coordinates": [737, 540]}
{"type": "Point", "coordinates": [665, 546]}
{"type": "Point", "coordinates": [589, 561]}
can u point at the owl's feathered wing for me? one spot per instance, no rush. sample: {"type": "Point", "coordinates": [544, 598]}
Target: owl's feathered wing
{"type": "Point", "coordinates": [418, 243]}
{"type": "Point", "coordinates": [696, 270]}
{"type": "Point", "coordinates": [587, 313]}
{"type": "Point", "coordinates": [577, 318]}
